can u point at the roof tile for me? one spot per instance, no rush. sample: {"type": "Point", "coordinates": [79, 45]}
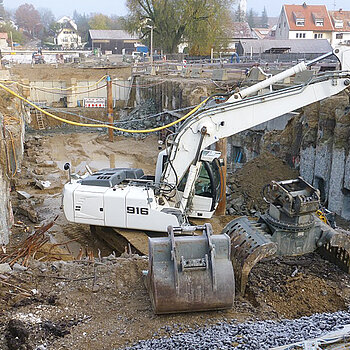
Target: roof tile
{"type": "Point", "coordinates": [309, 12]}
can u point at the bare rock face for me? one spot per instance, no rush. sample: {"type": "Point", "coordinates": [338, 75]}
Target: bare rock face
{"type": "Point", "coordinates": [317, 142]}
{"type": "Point", "coordinates": [11, 152]}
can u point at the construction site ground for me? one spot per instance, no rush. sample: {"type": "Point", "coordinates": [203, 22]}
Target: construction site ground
{"type": "Point", "coordinates": [68, 303]}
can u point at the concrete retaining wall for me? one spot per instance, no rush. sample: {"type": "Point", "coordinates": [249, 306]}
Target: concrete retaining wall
{"type": "Point", "coordinates": [52, 92]}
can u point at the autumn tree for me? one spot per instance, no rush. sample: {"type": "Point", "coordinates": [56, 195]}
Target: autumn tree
{"type": "Point", "coordinates": [28, 18]}
{"type": "Point", "coordinates": [100, 21]}
{"type": "Point", "coordinates": [206, 29]}
{"type": "Point", "coordinates": [16, 35]}
{"type": "Point", "coordinates": [196, 21]}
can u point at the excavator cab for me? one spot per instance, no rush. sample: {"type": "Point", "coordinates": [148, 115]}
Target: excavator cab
{"type": "Point", "coordinates": [207, 189]}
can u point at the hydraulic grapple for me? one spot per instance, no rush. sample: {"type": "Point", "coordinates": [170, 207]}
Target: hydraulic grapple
{"type": "Point", "coordinates": [289, 227]}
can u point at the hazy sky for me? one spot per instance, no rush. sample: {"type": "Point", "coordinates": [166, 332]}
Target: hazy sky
{"type": "Point", "coordinates": [117, 7]}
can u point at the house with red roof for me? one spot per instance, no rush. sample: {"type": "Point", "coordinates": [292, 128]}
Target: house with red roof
{"type": "Point", "coordinates": [304, 22]}
{"type": "Point", "coordinates": [341, 25]}
{"type": "Point", "coordinates": [3, 41]}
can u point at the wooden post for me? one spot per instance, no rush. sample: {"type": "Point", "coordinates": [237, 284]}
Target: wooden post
{"type": "Point", "coordinates": [110, 108]}
{"type": "Point", "coordinates": [221, 146]}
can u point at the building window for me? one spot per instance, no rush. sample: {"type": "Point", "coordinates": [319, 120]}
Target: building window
{"type": "Point", "coordinates": [300, 35]}
{"type": "Point", "coordinates": [319, 22]}
{"type": "Point", "coordinates": [339, 36]}
{"type": "Point", "coordinates": [338, 23]}
{"type": "Point", "coordinates": [300, 22]}
{"type": "Point", "coordinates": [318, 35]}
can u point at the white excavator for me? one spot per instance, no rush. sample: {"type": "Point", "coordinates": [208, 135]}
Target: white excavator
{"type": "Point", "coordinates": [187, 184]}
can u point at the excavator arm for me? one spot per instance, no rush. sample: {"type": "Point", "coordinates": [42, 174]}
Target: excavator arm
{"type": "Point", "coordinates": [243, 111]}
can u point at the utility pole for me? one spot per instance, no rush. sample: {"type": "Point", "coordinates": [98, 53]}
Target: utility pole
{"type": "Point", "coordinates": [151, 46]}
{"type": "Point", "coordinates": [221, 146]}
{"type": "Point", "coordinates": [110, 108]}
{"type": "Point", "coordinates": [11, 41]}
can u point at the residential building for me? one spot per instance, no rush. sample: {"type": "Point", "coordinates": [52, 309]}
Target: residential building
{"type": "Point", "coordinates": [341, 25]}
{"type": "Point", "coordinates": [68, 37]}
{"type": "Point", "coordinates": [113, 41]}
{"type": "Point", "coordinates": [238, 31]}
{"type": "Point", "coordinates": [304, 22]}
{"type": "Point", "coordinates": [261, 33]}
{"type": "Point", "coordinates": [4, 41]}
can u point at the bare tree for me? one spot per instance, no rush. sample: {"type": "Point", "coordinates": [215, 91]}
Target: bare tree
{"type": "Point", "coordinates": [28, 18]}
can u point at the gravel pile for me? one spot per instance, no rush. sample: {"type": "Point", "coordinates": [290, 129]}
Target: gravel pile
{"type": "Point", "coordinates": [250, 335]}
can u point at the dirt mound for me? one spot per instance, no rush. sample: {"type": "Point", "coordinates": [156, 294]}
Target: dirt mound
{"type": "Point", "coordinates": [298, 286]}
{"type": "Point", "coordinates": [82, 305]}
{"type": "Point", "coordinates": [245, 185]}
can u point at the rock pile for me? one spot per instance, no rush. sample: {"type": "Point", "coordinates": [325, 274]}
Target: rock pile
{"type": "Point", "coordinates": [250, 335]}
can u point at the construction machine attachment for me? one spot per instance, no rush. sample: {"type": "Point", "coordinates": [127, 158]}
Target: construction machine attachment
{"type": "Point", "coordinates": [289, 227]}
{"type": "Point", "coordinates": [190, 273]}
{"type": "Point", "coordinates": [334, 245]}
{"type": "Point", "coordinates": [248, 246]}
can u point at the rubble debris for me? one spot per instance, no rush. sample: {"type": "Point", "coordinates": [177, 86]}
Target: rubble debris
{"type": "Point", "coordinates": [28, 247]}
{"type": "Point", "coordinates": [5, 268]}
{"type": "Point", "coordinates": [23, 195]}
{"type": "Point", "coordinates": [26, 208]}
{"type": "Point", "coordinates": [58, 330]}
{"type": "Point", "coordinates": [250, 335]}
{"type": "Point", "coordinates": [42, 184]}
{"type": "Point", "coordinates": [17, 335]}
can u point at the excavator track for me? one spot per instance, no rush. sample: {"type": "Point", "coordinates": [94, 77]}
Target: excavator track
{"type": "Point", "coordinates": [124, 240]}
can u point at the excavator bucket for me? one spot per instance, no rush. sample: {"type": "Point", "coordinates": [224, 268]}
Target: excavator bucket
{"type": "Point", "coordinates": [248, 246]}
{"type": "Point", "coordinates": [190, 273]}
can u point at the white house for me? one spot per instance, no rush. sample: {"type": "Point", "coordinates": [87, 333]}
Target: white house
{"type": "Point", "coordinates": [304, 22]}
{"type": "Point", "coordinates": [341, 25]}
{"type": "Point", "coordinates": [67, 37]}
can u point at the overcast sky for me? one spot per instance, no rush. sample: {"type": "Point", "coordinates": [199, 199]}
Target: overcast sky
{"type": "Point", "coordinates": [117, 7]}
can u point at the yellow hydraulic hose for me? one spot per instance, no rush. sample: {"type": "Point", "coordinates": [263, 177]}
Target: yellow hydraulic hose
{"type": "Point", "coordinates": [102, 125]}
